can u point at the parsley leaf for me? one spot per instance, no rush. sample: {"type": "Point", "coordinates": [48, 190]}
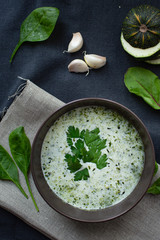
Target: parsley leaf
{"type": "Point", "coordinates": [85, 146]}
{"type": "Point", "coordinates": [83, 174]}
{"type": "Point", "coordinates": [69, 141]}
{"type": "Point", "coordinates": [73, 132]}
{"type": "Point", "coordinates": [78, 148]}
{"type": "Point", "coordinates": [95, 145]}
{"type": "Point", "coordinates": [91, 136]}
{"type": "Point", "coordinates": [73, 163]}
{"type": "Point", "coordinates": [101, 163]}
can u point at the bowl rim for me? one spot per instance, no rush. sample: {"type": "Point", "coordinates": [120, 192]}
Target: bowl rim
{"type": "Point", "coordinates": [99, 215]}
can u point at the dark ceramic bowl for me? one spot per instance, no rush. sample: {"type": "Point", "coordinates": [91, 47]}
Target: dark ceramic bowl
{"type": "Point", "coordinates": [93, 215]}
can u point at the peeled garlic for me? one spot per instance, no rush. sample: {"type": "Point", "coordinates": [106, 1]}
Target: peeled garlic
{"type": "Point", "coordinates": [78, 66]}
{"type": "Point", "coordinates": [94, 61]}
{"type": "Point", "coordinates": [76, 43]}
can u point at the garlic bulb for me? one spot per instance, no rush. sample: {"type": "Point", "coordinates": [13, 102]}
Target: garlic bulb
{"type": "Point", "coordinates": [78, 66]}
{"type": "Point", "coordinates": [94, 61]}
{"type": "Point", "coordinates": [76, 43]}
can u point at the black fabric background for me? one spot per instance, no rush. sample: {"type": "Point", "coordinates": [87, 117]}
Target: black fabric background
{"type": "Point", "coordinates": [45, 64]}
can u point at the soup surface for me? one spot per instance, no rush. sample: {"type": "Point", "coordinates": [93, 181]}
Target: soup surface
{"type": "Point", "coordinates": [92, 158]}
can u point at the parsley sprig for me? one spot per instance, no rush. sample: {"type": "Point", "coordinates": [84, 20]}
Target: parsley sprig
{"type": "Point", "coordinates": [85, 145]}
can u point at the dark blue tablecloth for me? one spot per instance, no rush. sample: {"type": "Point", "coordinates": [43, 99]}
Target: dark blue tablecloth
{"type": "Point", "coordinates": [45, 64]}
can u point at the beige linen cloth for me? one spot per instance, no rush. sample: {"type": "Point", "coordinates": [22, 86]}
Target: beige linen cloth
{"type": "Point", "coordinates": [30, 109]}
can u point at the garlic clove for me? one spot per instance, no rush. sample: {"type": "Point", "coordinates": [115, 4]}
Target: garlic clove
{"type": "Point", "coordinates": [78, 66]}
{"type": "Point", "coordinates": [94, 61]}
{"type": "Point", "coordinates": [76, 43]}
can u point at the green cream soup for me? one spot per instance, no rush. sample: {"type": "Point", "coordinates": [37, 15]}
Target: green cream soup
{"type": "Point", "coordinates": [92, 158]}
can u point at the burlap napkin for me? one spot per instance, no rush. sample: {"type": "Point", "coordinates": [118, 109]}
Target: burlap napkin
{"type": "Point", "coordinates": [30, 109]}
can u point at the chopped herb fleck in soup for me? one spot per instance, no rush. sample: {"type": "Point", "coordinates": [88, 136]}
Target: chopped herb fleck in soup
{"type": "Point", "coordinates": [92, 157]}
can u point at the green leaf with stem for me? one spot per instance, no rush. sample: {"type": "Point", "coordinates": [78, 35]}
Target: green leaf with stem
{"type": "Point", "coordinates": [102, 161]}
{"type": "Point", "coordinates": [8, 169]}
{"type": "Point", "coordinates": [38, 26]}
{"type": "Point", "coordinates": [82, 174]}
{"type": "Point", "coordinates": [155, 188]}
{"type": "Point", "coordinates": [73, 162]}
{"type": "Point", "coordinates": [156, 168]}
{"type": "Point", "coordinates": [86, 146]}
{"type": "Point", "coordinates": [21, 150]}
{"type": "Point", "coordinates": [145, 84]}
{"type": "Point", "coordinates": [73, 132]}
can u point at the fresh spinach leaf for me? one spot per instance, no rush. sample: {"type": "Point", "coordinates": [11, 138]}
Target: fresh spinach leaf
{"type": "Point", "coordinates": [81, 175]}
{"type": "Point", "coordinates": [8, 169]}
{"type": "Point", "coordinates": [38, 26]}
{"type": "Point", "coordinates": [156, 168]}
{"type": "Point", "coordinates": [145, 84]}
{"type": "Point", "coordinates": [85, 146]}
{"type": "Point", "coordinates": [21, 149]}
{"type": "Point", "coordinates": [155, 188]}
